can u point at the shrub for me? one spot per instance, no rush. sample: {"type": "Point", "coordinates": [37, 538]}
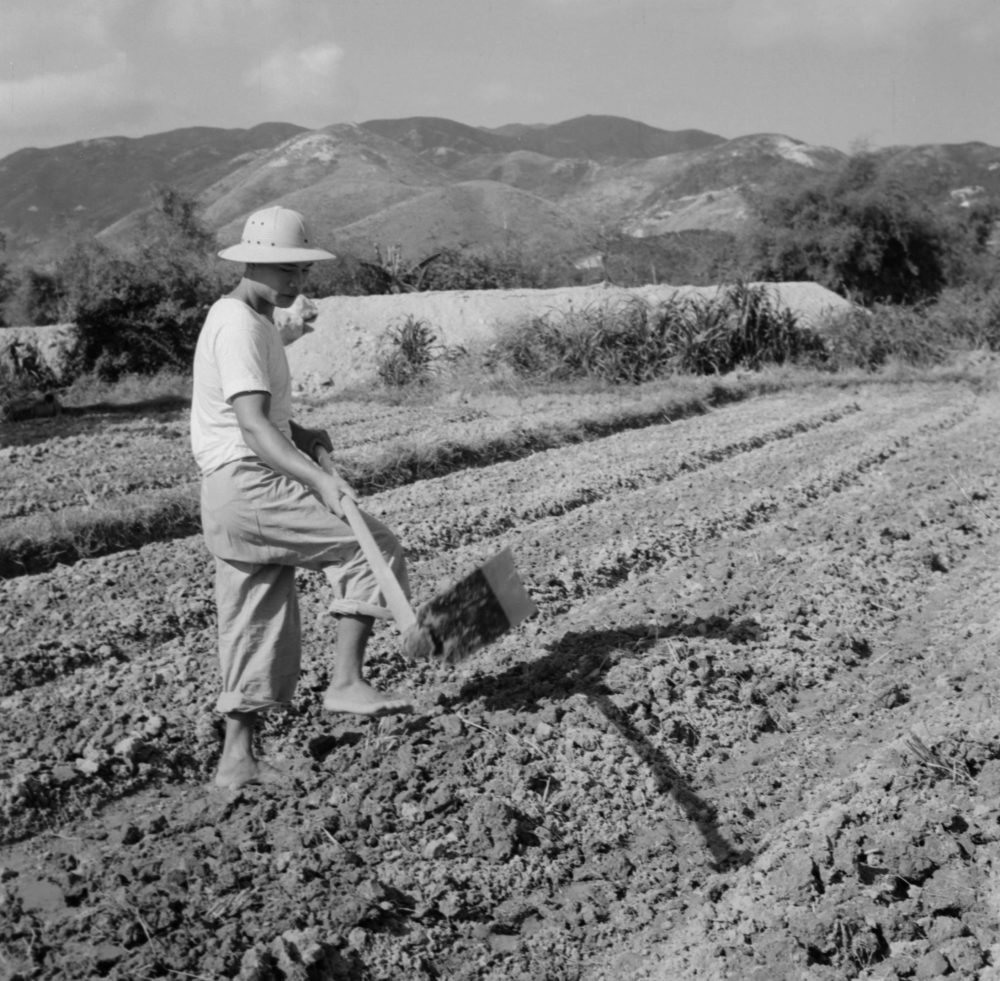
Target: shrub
{"type": "Point", "coordinates": [141, 312]}
{"type": "Point", "coordinates": [138, 315]}
{"type": "Point", "coordinates": [392, 273]}
{"type": "Point", "coordinates": [625, 342]}
{"type": "Point", "coordinates": [410, 352]}
{"type": "Point", "coordinates": [742, 325]}
{"type": "Point", "coordinates": [921, 335]}
{"type": "Point", "coordinates": [25, 380]}
{"type": "Point", "coordinates": [856, 231]}
{"type": "Point", "coordinates": [344, 276]}
{"type": "Point", "coordinates": [695, 257]}
{"type": "Point", "coordinates": [137, 308]}
{"type": "Point", "coordinates": [449, 269]}
{"type": "Point", "coordinates": [632, 342]}
{"type": "Point", "coordinates": [34, 298]}
{"type": "Point", "coordinates": [969, 316]}
{"type": "Point", "coordinates": [496, 269]}
{"type": "Point", "coordinates": [973, 260]}
{"type": "Point", "coordinates": [869, 339]}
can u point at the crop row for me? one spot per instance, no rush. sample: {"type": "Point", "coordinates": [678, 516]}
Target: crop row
{"type": "Point", "coordinates": [144, 674]}
{"type": "Point", "coordinates": [75, 465]}
{"type": "Point", "coordinates": [85, 494]}
{"type": "Point", "coordinates": [630, 515]}
{"type": "Point", "coordinates": [544, 486]}
{"type": "Point", "coordinates": [591, 548]}
{"type": "Point", "coordinates": [455, 510]}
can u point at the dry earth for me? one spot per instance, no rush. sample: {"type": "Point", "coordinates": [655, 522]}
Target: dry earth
{"type": "Point", "coordinates": [752, 733]}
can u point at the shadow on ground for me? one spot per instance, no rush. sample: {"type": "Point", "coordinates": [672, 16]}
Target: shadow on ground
{"type": "Point", "coordinates": [577, 664]}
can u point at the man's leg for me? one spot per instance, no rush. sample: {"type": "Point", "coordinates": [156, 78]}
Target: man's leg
{"type": "Point", "coordinates": [348, 691]}
{"type": "Point", "coordinates": [258, 624]}
{"type": "Point", "coordinates": [300, 531]}
{"type": "Point", "coordinates": [238, 765]}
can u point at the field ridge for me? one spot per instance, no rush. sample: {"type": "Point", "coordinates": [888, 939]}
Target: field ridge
{"type": "Point", "coordinates": [121, 522]}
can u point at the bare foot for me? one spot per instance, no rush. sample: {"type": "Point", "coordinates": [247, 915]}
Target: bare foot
{"type": "Point", "coordinates": [239, 772]}
{"type": "Point", "coordinates": [361, 699]}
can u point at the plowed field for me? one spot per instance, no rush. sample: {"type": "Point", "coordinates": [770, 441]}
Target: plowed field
{"type": "Point", "coordinates": [752, 734]}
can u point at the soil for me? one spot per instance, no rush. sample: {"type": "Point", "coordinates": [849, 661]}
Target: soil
{"type": "Point", "coordinates": [751, 733]}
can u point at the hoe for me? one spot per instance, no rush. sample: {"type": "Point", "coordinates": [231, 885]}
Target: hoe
{"type": "Point", "coordinates": [455, 624]}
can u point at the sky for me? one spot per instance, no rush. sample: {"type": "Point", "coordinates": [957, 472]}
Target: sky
{"type": "Point", "coordinates": [849, 74]}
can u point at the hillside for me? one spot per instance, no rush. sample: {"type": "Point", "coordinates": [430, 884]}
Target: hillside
{"type": "Point", "coordinates": [473, 213]}
{"type": "Point", "coordinates": [601, 138]}
{"type": "Point", "coordinates": [434, 182]}
{"type": "Point", "coordinates": [90, 184]}
{"type": "Point", "coordinates": [323, 159]}
{"type": "Point", "coordinates": [703, 189]}
{"type": "Point", "coordinates": [966, 172]}
{"type": "Point", "coordinates": [612, 138]}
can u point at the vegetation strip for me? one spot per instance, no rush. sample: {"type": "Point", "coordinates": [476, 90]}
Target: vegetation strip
{"type": "Point", "coordinates": [482, 522]}
{"type": "Point", "coordinates": [81, 533]}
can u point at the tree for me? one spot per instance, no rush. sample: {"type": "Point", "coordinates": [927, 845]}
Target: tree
{"type": "Point", "coordinates": [391, 273]}
{"type": "Point", "coordinates": [175, 221]}
{"type": "Point", "coordinates": [856, 231]}
{"type": "Point", "coordinates": [141, 310]}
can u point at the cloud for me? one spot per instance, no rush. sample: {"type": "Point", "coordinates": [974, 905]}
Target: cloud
{"type": "Point", "coordinates": [496, 93]}
{"type": "Point", "coordinates": [842, 23]}
{"type": "Point", "coordinates": [194, 20]}
{"type": "Point", "coordinates": [38, 36]}
{"type": "Point", "coordinates": [859, 23]}
{"type": "Point", "coordinates": [296, 78]}
{"type": "Point", "coordinates": [44, 99]}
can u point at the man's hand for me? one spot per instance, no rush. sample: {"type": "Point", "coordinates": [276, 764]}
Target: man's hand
{"type": "Point", "coordinates": [311, 440]}
{"type": "Point", "coordinates": [332, 490]}
{"type": "Point", "coordinates": [334, 487]}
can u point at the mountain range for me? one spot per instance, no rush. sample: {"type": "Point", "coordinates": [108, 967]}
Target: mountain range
{"type": "Point", "coordinates": [426, 183]}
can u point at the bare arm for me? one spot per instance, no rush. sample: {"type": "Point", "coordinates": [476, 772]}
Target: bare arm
{"type": "Point", "coordinates": [277, 451]}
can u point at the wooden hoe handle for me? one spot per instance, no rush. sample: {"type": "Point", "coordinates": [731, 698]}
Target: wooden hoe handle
{"type": "Point", "coordinates": [393, 593]}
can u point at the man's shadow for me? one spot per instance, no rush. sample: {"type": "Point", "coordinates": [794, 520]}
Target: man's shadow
{"type": "Point", "coordinates": [576, 664]}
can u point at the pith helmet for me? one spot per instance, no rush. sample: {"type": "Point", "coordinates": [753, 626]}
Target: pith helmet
{"type": "Point", "coordinates": [275, 235]}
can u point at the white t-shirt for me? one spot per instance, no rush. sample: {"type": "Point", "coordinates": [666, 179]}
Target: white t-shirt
{"type": "Point", "coordinates": [238, 350]}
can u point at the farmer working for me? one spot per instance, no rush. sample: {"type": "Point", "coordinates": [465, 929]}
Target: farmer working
{"type": "Point", "coordinates": [268, 507]}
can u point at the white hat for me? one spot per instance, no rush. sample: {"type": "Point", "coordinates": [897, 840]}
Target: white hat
{"type": "Point", "coordinates": [275, 235]}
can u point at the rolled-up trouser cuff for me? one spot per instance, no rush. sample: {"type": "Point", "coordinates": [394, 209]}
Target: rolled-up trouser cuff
{"type": "Point", "coordinates": [236, 701]}
{"type": "Point", "coordinates": [358, 608]}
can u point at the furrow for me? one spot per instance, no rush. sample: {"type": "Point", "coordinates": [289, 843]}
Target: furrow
{"type": "Point", "coordinates": [619, 538]}
{"type": "Point", "coordinates": [610, 467]}
{"type": "Point", "coordinates": [84, 614]}
{"type": "Point", "coordinates": [74, 513]}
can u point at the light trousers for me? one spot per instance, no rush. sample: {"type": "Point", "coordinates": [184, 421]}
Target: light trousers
{"type": "Point", "coordinates": [260, 525]}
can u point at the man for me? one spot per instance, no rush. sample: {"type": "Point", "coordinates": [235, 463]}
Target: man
{"type": "Point", "coordinates": [268, 507]}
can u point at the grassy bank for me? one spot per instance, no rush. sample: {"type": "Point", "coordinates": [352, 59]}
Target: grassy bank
{"type": "Point", "coordinates": [39, 541]}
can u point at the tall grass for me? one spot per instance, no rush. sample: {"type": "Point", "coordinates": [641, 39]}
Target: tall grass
{"type": "Point", "coordinates": [923, 335]}
{"type": "Point", "coordinates": [168, 385]}
{"type": "Point", "coordinates": [410, 352]}
{"type": "Point", "coordinates": [632, 341]}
